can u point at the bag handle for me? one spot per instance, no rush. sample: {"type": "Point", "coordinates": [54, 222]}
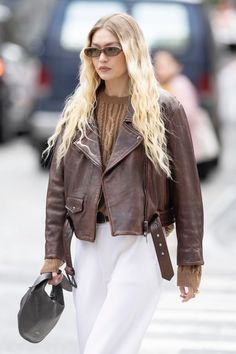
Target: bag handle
{"type": "Point", "coordinates": [44, 277]}
{"type": "Point", "coordinates": [67, 237]}
{"type": "Point", "coordinates": [41, 278]}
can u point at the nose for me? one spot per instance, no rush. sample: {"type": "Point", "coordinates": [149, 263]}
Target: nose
{"type": "Point", "coordinates": [102, 57]}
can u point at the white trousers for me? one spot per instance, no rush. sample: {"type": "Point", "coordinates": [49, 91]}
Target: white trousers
{"type": "Point", "coordinates": [119, 285]}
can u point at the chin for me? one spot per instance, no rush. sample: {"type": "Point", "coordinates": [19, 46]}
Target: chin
{"type": "Point", "coordinates": [106, 77]}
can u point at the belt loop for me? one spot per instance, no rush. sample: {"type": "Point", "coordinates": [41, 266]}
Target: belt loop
{"type": "Point", "coordinates": [145, 228]}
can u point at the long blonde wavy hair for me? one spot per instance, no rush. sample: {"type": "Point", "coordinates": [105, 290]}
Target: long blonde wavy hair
{"type": "Point", "coordinates": [144, 92]}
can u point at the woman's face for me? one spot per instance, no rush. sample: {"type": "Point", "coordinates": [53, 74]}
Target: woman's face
{"type": "Point", "coordinates": [108, 68]}
{"type": "Point", "coordinates": [166, 66]}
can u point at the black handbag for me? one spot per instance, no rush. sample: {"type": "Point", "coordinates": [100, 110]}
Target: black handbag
{"type": "Point", "coordinates": [39, 312]}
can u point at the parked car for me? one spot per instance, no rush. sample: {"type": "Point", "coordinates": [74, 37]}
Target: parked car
{"type": "Point", "coordinates": [5, 123]}
{"type": "Point", "coordinates": [21, 70]}
{"type": "Point", "coordinates": [180, 26]}
{"type": "Point", "coordinates": [18, 71]}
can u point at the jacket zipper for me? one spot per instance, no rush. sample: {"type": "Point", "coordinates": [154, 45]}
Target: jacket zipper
{"type": "Point", "coordinates": [105, 199]}
{"type": "Point", "coordinates": [98, 200]}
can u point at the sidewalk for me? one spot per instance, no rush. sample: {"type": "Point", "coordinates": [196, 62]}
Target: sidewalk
{"type": "Point", "coordinates": [206, 325]}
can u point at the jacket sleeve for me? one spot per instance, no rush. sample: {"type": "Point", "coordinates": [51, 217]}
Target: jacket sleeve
{"type": "Point", "coordinates": [186, 192]}
{"type": "Point", "coordinates": [55, 210]}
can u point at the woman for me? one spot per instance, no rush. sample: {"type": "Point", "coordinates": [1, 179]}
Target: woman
{"type": "Point", "coordinates": [122, 173]}
{"type": "Point", "coordinates": [205, 143]}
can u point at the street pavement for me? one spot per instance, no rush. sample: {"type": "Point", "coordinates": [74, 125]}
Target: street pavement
{"type": "Point", "coordinates": [205, 325]}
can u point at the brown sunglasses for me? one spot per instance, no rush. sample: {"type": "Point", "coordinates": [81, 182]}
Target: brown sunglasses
{"type": "Point", "coordinates": [94, 52]}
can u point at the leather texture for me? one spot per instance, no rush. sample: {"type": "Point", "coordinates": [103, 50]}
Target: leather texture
{"type": "Point", "coordinates": [40, 312]}
{"type": "Point", "coordinates": [74, 188]}
{"type": "Point", "coordinates": [161, 248]}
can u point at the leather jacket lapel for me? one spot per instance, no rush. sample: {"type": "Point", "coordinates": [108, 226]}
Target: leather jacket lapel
{"type": "Point", "coordinates": [128, 139]}
{"type": "Point", "coordinates": [90, 146]}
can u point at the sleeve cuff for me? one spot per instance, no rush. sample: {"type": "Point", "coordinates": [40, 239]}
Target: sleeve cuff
{"type": "Point", "coordinates": [51, 265]}
{"type": "Point", "coordinates": [168, 229]}
{"type": "Point", "coordinates": [189, 276]}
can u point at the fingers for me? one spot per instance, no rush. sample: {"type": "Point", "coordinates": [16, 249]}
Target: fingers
{"type": "Point", "coordinates": [187, 293]}
{"type": "Point", "coordinates": [56, 279]}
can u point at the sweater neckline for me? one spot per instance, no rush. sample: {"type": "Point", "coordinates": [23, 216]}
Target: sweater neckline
{"type": "Point", "coordinates": [103, 97]}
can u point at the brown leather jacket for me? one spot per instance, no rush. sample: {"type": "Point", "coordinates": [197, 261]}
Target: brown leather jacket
{"type": "Point", "coordinates": [134, 191]}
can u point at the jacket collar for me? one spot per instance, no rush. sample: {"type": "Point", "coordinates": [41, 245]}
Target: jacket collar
{"type": "Point", "coordinates": [90, 146]}
{"type": "Point", "coordinates": [128, 139]}
{"type": "Point", "coordinates": [129, 115]}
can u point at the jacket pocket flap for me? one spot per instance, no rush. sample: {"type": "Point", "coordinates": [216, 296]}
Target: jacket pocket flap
{"type": "Point", "coordinates": [74, 205]}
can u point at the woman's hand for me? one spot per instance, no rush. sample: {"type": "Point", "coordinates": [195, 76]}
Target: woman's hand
{"type": "Point", "coordinates": [56, 278]}
{"type": "Point", "coordinates": [187, 293]}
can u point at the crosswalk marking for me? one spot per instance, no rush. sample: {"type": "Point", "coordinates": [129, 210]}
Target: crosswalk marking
{"type": "Point", "coordinates": [200, 316]}
{"type": "Point", "coordinates": [189, 328]}
{"type": "Point", "coordinates": [173, 345]}
{"type": "Point", "coordinates": [205, 325]}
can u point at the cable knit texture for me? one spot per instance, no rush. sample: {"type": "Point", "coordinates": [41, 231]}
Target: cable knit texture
{"type": "Point", "coordinates": [189, 276]}
{"type": "Point", "coordinates": [51, 265]}
{"type": "Point", "coordinates": [109, 114]}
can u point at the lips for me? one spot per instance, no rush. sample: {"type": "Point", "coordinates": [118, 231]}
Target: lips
{"type": "Point", "coordinates": [103, 69]}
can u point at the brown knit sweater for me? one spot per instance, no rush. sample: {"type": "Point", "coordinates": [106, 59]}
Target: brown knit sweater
{"type": "Point", "coordinates": [109, 115]}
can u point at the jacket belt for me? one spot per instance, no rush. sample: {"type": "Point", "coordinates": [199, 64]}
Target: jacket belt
{"type": "Point", "coordinates": [159, 241]}
{"type": "Point", "coordinates": [162, 252]}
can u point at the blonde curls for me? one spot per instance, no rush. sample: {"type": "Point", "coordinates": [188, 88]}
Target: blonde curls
{"type": "Point", "coordinates": [144, 91]}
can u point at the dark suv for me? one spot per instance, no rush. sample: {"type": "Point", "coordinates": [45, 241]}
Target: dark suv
{"type": "Point", "coordinates": [180, 26]}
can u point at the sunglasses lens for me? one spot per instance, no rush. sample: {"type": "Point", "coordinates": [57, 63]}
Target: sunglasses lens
{"type": "Point", "coordinates": [112, 51]}
{"type": "Point", "coordinates": [92, 52]}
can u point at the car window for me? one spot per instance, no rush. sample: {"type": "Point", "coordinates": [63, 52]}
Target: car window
{"type": "Point", "coordinates": [164, 25]}
{"type": "Point", "coordinates": [80, 17]}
